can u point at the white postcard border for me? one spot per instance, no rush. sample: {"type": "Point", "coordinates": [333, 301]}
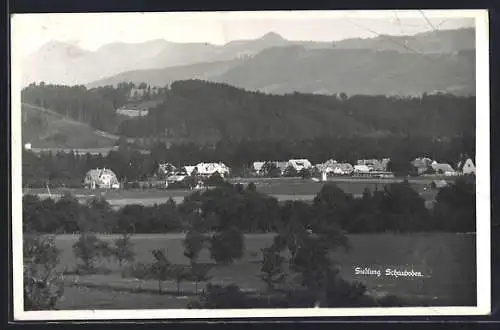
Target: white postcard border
{"type": "Point", "coordinates": [482, 192]}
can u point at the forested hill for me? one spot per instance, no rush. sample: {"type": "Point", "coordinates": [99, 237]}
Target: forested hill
{"type": "Point", "coordinates": [201, 111]}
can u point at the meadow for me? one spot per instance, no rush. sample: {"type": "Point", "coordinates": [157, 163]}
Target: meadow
{"type": "Point", "coordinates": [281, 188]}
{"type": "Point", "coordinates": [446, 261]}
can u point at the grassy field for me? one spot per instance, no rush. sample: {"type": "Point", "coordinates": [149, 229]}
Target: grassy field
{"type": "Point", "coordinates": [283, 189]}
{"type": "Point", "coordinates": [82, 298]}
{"type": "Point", "coordinates": [47, 129]}
{"type": "Point", "coordinates": [446, 261]}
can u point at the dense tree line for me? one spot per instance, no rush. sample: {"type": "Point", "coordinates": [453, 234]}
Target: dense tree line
{"type": "Point", "coordinates": [396, 208]}
{"type": "Point", "coordinates": [197, 109]}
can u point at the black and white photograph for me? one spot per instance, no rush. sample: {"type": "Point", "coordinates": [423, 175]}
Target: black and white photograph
{"type": "Point", "coordinates": [250, 164]}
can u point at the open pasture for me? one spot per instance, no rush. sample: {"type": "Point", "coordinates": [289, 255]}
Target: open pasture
{"type": "Point", "coordinates": [446, 261]}
{"type": "Point", "coordinates": [282, 188]}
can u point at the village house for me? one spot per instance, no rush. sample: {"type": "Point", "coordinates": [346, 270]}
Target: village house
{"type": "Point", "coordinates": [443, 168]}
{"type": "Point", "coordinates": [333, 167]}
{"type": "Point", "coordinates": [177, 177]}
{"type": "Point", "coordinates": [361, 170]}
{"type": "Point", "coordinates": [422, 164]}
{"type": "Point", "coordinates": [166, 169]}
{"type": "Point", "coordinates": [207, 169]}
{"type": "Point", "coordinates": [257, 167]}
{"type": "Point", "coordinates": [132, 112]}
{"type": "Point", "coordinates": [343, 169]}
{"type": "Point", "coordinates": [299, 164]}
{"type": "Point", "coordinates": [282, 166]}
{"type": "Point", "coordinates": [466, 167]}
{"type": "Point", "coordinates": [189, 170]}
{"type": "Point", "coordinates": [101, 179]}
{"type": "Point", "coordinates": [375, 164]}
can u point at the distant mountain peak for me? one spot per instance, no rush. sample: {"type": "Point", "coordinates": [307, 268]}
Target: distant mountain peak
{"type": "Point", "coordinates": [69, 49]}
{"type": "Point", "coordinates": [272, 36]}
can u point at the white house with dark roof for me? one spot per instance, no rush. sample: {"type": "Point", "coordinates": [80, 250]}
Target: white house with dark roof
{"type": "Point", "coordinates": [333, 167]}
{"type": "Point", "coordinates": [361, 169]}
{"type": "Point", "coordinates": [257, 167]}
{"type": "Point", "coordinates": [166, 168]}
{"type": "Point", "coordinates": [443, 168]}
{"type": "Point", "coordinates": [207, 169]}
{"type": "Point", "coordinates": [102, 178]}
{"type": "Point", "coordinates": [299, 164]}
{"type": "Point", "coordinates": [466, 167]}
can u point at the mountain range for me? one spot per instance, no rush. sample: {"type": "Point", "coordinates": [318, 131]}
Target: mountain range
{"type": "Point", "coordinates": [439, 60]}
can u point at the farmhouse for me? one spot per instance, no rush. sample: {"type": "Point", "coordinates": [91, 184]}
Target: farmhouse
{"type": "Point", "coordinates": [166, 168]}
{"type": "Point", "coordinates": [375, 164]}
{"type": "Point", "coordinates": [422, 164]}
{"type": "Point", "coordinates": [361, 169]}
{"type": "Point", "coordinates": [322, 168]}
{"type": "Point", "coordinates": [299, 164]}
{"type": "Point", "coordinates": [343, 169]}
{"type": "Point", "coordinates": [333, 167]}
{"type": "Point", "coordinates": [177, 177]}
{"type": "Point", "coordinates": [101, 178]}
{"type": "Point", "coordinates": [189, 170]}
{"type": "Point", "coordinates": [207, 169]}
{"type": "Point", "coordinates": [132, 112]}
{"type": "Point", "coordinates": [443, 168]}
{"type": "Point", "coordinates": [466, 167]}
{"type": "Point", "coordinates": [282, 166]}
{"type": "Point", "coordinates": [257, 167]}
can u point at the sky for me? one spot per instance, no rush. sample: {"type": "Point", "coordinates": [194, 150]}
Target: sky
{"type": "Point", "coordinates": [92, 30]}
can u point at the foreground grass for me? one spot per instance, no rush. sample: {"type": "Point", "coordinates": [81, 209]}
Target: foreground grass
{"type": "Point", "coordinates": [83, 298]}
{"type": "Point", "coordinates": [446, 261]}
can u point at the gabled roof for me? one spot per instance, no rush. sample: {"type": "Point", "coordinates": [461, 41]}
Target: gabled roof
{"type": "Point", "coordinates": [442, 167]}
{"type": "Point", "coordinates": [300, 163]}
{"type": "Point", "coordinates": [468, 162]}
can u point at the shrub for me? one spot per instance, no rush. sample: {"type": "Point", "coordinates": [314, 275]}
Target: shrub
{"type": "Point", "coordinates": [160, 268]}
{"type": "Point", "coordinates": [199, 273]}
{"type": "Point", "coordinates": [227, 245]}
{"type": "Point", "coordinates": [215, 180]}
{"type": "Point", "coordinates": [123, 249]}
{"type": "Point", "coordinates": [272, 268]}
{"type": "Point", "coordinates": [89, 249]}
{"type": "Point", "coordinates": [42, 285]}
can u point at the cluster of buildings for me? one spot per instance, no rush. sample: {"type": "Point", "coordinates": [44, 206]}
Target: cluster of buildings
{"type": "Point", "coordinates": [169, 174]}
{"type": "Point", "coordinates": [174, 174]}
{"type": "Point", "coordinates": [371, 167]}
{"type": "Point", "coordinates": [426, 165]}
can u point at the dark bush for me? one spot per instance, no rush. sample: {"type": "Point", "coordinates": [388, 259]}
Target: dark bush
{"type": "Point", "coordinates": [41, 280]}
